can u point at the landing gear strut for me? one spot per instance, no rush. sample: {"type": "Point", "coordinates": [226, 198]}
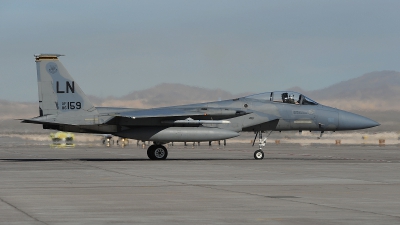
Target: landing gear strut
{"type": "Point", "coordinates": [157, 152]}
{"type": "Point", "coordinates": [259, 154]}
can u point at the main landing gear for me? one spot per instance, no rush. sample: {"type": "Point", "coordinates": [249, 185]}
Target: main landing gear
{"type": "Point", "coordinates": [157, 152]}
{"type": "Point", "coordinates": [259, 154]}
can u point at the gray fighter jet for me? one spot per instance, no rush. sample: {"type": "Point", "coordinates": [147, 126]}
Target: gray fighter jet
{"type": "Point", "coordinates": [63, 106]}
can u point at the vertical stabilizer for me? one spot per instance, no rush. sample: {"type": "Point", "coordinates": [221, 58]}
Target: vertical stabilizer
{"type": "Point", "coordinates": [58, 92]}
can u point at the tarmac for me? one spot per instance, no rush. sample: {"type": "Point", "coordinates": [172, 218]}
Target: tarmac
{"type": "Point", "coordinates": [294, 184]}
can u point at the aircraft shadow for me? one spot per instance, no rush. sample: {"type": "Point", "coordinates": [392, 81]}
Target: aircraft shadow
{"type": "Point", "coordinates": [141, 159]}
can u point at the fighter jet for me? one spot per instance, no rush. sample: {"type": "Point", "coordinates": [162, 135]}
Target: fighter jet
{"type": "Point", "coordinates": [63, 106]}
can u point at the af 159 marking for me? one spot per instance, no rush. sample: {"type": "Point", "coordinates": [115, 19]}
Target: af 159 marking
{"type": "Point", "coordinates": [71, 105]}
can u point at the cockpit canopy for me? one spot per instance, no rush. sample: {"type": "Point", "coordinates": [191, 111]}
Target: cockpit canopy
{"type": "Point", "coordinates": [289, 97]}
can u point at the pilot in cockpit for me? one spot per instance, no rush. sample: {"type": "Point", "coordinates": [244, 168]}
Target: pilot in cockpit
{"type": "Point", "coordinates": [290, 98]}
{"type": "Point", "coordinates": [285, 97]}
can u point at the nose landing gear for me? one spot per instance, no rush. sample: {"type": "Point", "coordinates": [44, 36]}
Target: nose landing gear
{"type": "Point", "coordinates": [259, 154]}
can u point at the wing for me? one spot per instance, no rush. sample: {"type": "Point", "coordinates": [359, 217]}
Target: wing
{"type": "Point", "coordinates": [145, 117]}
{"type": "Point", "coordinates": [165, 116]}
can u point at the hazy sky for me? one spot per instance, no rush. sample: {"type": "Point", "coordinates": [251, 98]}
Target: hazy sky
{"type": "Point", "coordinates": [115, 47]}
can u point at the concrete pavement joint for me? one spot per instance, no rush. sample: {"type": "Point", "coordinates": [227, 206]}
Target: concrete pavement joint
{"type": "Point", "coordinates": [314, 185]}
{"type": "Point", "coordinates": [22, 211]}
{"type": "Point", "coordinates": [246, 193]}
{"type": "Point", "coordinates": [297, 201]}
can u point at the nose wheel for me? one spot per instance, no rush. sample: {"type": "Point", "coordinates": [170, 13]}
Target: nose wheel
{"type": "Point", "coordinates": [259, 154]}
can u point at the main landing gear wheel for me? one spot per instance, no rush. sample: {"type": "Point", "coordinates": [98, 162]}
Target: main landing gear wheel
{"type": "Point", "coordinates": [157, 152]}
{"type": "Point", "coordinates": [259, 154]}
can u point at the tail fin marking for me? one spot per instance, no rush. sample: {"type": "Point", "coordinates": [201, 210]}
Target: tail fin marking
{"type": "Point", "coordinates": [58, 92]}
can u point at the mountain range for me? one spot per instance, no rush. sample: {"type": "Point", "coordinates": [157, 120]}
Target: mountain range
{"type": "Point", "coordinates": [166, 94]}
{"type": "Point", "coordinates": [376, 91]}
{"type": "Point", "coordinates": [372, 92]}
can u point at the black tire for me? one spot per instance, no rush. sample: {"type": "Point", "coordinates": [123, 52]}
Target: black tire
{"type": "Point", "coordinates": [259, 154]}
{"type": "Point", "coordinates": [157, 152]}
{"type": "Point", "coordinates": [160, 152]}
{"type": "Point", "coordinates": [150, 152]}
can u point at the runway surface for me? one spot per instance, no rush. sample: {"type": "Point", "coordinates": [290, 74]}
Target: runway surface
{"type": "Point", "coordinates": [316, 184]}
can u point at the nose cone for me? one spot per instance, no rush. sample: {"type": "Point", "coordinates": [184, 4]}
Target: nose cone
{"type": "Point", "coordinates": [351, 121]}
